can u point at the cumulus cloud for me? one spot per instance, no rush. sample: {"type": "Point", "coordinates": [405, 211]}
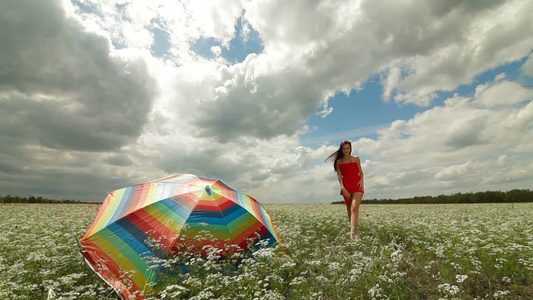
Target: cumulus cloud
{"type": "Point", "coordinates": [446, 45]}
{"type": "Point", "coordinates": [62, 90]}
{"type": "Point", "coordinates": [528, 66]}
{"type": "Point", "coordinates": [313, 49]}
{"type": "Point", "coordinates": [463, 145]}
{"type": "Point", "coordinates": [505, 93]}
{"type": "Point", "coordinates": [87, 105]}
{"type": "Point", "coordinates": [60, 86]}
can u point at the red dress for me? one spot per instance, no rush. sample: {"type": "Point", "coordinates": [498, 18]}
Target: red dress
{"type": "Point", "coordinates": [350, 178]}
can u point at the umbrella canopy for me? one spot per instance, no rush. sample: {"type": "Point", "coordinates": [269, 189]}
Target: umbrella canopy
{"type": "Point", "coordinates": [177, 215]}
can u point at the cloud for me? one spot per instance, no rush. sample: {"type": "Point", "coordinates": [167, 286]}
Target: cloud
{"type": "Point", "coordinates": [443, 48]}
{"type": "Point", "coordinates": [465, 132]}
{"type": "Point", "coordinates": [87, 105]}
{"type": "Point", "coordinates": [390, 82]}
{"type": "Point", "coordinates": [257, 106]}
{"type": "Point", "coordinates": [61, 88]}
{"type": "Point", "coordinates": [118, 160]}
{"type": "Point", "coordinates": [464, 145]}
{"type": "Point", "coordinates": [528, 66]}
{"type": "Point", "coordinates": [352, 134]}
{"type": "Point", "coordinates": [313, 49]}
{"type": "Point", "coordinates": [456, 172]}
{"type": "Point", "coordinates": [505, 93]}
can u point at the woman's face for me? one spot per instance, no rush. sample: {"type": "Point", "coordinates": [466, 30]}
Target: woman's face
{"type": "Point", "coordinates": [346, 149]}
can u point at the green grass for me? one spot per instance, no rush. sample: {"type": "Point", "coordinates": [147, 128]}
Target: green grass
{"type": "Point", "coordinates": [466, 251]}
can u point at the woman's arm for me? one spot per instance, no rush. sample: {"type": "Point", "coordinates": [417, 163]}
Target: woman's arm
{"type": "Point", "coordinates": [339, 177]}
{"type": "Point", "coordinates": [339, 174]}
{"type": "Point", "coordinates": [362, 180]}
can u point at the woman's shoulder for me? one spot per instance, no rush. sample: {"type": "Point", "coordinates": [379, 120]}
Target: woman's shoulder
{"type": "Point", "coordinates": [347, 160]}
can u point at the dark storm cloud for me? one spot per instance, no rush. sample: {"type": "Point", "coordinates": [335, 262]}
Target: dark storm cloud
{"type": "Point", "coordinates": [118, 160]}
{"type": "Point", "coordinates": [60, 86]}
{"type": "Point", "coordinates": [279, 105]}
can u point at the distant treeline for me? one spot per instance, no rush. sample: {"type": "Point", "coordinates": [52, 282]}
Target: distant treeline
{"type": "Point", "coordinates": [479, 197]}
{"type": "Point", "coordinates": [32, 199]}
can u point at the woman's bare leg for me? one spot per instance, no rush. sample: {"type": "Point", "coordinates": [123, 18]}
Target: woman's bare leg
{"type": "Point", "coordinates": [349, 209]}
{"type": "Point", "coordinates": [355, 200]}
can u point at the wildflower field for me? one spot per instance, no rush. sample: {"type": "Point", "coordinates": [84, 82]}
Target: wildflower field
{"type": "Point", "coordinates": [439, 251]}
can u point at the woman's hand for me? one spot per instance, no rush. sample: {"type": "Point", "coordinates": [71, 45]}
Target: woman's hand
{"type": "Point", "coordinates": [345, 192]}
{"type": "Point", "coordinates": [361, 184]}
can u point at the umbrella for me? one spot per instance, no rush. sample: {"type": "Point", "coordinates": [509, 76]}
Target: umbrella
{"type": "Point", "coordinates": [178, 215]}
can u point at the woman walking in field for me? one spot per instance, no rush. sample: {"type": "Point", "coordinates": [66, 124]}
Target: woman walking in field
{"type": "Point", "coordinates": [350, 176]}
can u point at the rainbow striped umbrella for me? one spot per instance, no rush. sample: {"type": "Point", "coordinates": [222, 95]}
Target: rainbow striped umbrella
{"type": "Point", "coordinates": [179, 215]}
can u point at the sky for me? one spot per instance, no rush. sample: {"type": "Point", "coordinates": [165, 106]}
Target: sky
{"type": "Point", "coordinates": [436, 96]}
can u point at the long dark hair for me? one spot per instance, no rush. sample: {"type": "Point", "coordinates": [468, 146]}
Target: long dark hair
{"type": "Point", "coordinates": [338, 154]}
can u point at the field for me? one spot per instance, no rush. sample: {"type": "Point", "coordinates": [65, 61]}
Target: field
{"type": "Point", "coordinates": [467, 251]}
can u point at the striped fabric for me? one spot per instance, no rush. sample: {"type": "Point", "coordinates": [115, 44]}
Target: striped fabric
{"type": "Point", "coordinates": [177, 215]}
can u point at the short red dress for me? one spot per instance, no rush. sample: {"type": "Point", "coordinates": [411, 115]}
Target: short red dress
{"type": "Point", "coordinates": [350, 178]}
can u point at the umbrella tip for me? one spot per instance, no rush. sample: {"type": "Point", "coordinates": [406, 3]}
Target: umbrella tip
{"type": "Point", "coordinates": [207, 188]}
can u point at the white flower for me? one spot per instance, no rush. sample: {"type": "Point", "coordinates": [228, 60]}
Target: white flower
{"type": "Point", "coordinates": [51, 294]}
{"type": "Point", "coordinates": [334, 266]}
{"type": "Point", "coordinates": [449, 289]}
{"type": "Point", "coordinates": [288, 264]}
{"type": "Point", "coordinates": [297, 280]}
{"type": "Point", "coordinates": [385, 278]}
{"type": "Point", "coordinates": [506, 279]}
{"type": "Point", "coordinates": [375, 292]}
{"type": "Point", "coordinates": [461, 278]}
{"type": "Point", "coordinates": [498, 294]}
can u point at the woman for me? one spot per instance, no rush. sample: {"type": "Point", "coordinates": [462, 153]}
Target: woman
{"type": "Point", "coordinates": [350, 176]}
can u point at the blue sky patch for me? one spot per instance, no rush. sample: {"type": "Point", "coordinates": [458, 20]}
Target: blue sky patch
{"type": "Point", "coordinates": [161, 43]}
{"type": "Point", "coordinates": [202, 47]}
{"type": "Point", "coordinates": [238, 49]}
{"type": "Point", "coordinates": [356, 115]}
